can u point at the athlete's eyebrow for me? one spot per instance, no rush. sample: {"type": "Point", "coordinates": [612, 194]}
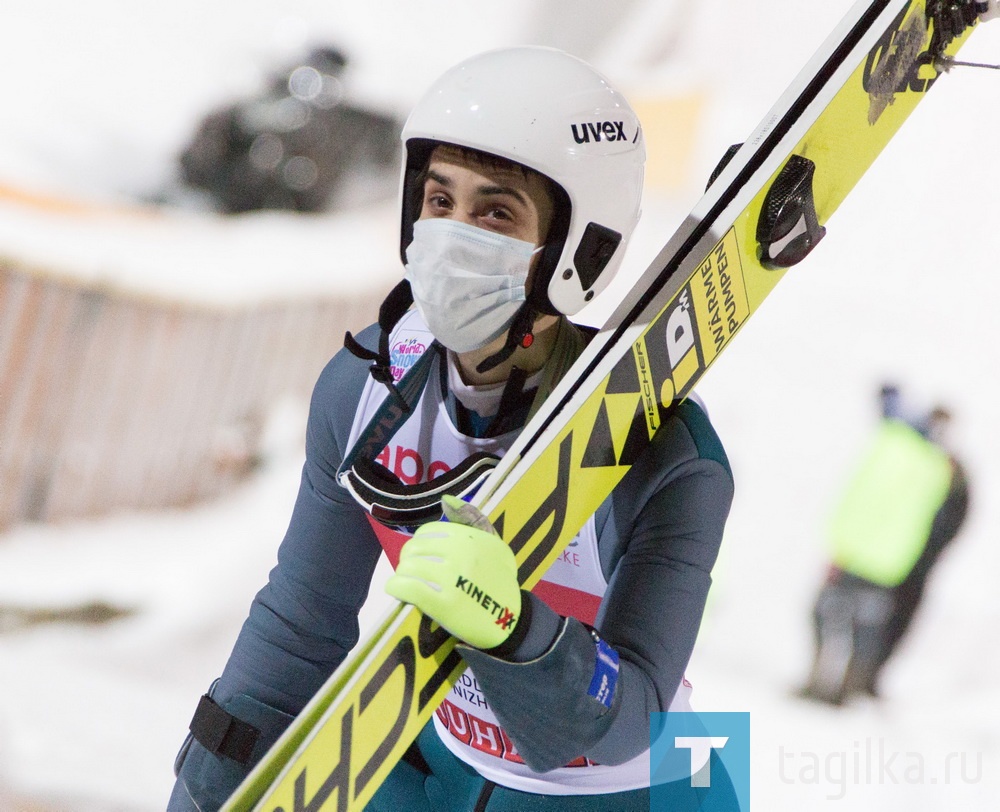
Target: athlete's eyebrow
{"type": "Point", "coordinates": [437, 177]}
{"type": "Point", "coordinates": [485, 189]}
{"type": "Point", "coordinates": [492, 189]}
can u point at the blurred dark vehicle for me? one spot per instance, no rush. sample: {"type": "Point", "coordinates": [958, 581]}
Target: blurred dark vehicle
{"type": "Point", "coordinates": [300, 145]}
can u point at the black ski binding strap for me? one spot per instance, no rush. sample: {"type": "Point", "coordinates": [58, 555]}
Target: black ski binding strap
{"type": "Point", "coordinates": [788, 228]}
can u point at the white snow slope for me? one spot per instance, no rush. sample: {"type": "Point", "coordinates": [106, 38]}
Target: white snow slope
{"type": "Point", "coordinates": [97, 98]}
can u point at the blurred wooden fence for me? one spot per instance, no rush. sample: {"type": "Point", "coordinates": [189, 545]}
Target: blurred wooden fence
{"type": "Point", "coordinates": [113, 401]}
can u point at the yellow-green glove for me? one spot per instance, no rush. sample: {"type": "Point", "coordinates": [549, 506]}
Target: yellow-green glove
{"type": "Point", "coordinates": [461, 574]}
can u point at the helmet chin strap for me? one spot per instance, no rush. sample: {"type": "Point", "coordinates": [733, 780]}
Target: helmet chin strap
{"type": "Point", "coordinates": [520, 334]}
{"type": "Point", "coordinates": [521, 330]}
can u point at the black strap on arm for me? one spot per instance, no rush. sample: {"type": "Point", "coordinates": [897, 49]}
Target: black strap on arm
{"type": "Point", "coordinates": [219, 732]}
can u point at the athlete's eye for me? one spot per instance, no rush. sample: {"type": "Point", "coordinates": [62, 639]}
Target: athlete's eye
{"type": "Point", "coordinates": [499, 213]}
{"type": "Point", "coordinates": [437, 203]}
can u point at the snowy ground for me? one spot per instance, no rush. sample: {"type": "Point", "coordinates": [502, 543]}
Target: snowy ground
{"type": "Point", "coordinates": [903, 287]}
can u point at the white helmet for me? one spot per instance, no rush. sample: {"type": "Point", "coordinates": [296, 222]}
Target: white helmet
{"type": "Point", "coordinates": [555, 114]}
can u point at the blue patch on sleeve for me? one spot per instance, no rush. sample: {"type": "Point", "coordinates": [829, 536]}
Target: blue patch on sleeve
{"type": "Point", "coordinates": [602, 684]}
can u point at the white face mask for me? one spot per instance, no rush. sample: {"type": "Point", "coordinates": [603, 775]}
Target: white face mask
{"type": "Point", "coordinates": [467, 282]}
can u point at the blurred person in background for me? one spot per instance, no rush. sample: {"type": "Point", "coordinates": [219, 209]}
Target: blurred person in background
{"type": "Point", "coordinates": [904, 504]}
{"type": "Point", "coordinates": [522, 179]}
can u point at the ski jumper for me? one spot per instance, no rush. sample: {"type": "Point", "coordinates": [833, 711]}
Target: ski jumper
{"type": "Point", "coordinates": [638, 573]}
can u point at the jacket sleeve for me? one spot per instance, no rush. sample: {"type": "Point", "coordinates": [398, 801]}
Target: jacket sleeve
{"type": "Point", "coordinates": [659, 545]}
{"type": "Point", "coordinates": [304, 621]}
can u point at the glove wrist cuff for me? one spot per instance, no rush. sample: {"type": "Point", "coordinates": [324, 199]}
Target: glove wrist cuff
{"type": "Point", "coordinates": [507, 648]}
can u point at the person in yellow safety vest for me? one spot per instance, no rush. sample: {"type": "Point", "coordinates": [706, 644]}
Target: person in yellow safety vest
{"type": "Point", "coordinates": [905, 502]}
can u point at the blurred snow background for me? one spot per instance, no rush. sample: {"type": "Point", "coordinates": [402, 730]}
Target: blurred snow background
{"type": "Point", "coordinates": [98, 98]}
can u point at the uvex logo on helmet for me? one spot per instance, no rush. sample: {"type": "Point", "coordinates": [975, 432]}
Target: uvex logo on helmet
{"type": "Point", "coordinates": [588, 131]}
